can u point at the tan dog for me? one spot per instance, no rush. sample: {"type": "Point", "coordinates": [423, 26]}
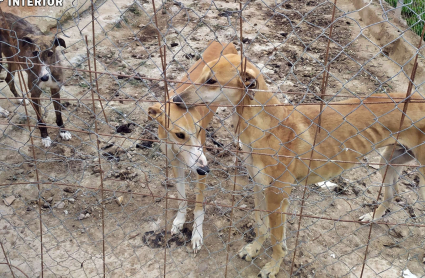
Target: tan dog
{"type": "Point", "coordinates": [34, 47]}
{"type": "Point", "coordinates": [347, 133]}
{"type": "Point", "coordinates": [187, 128]}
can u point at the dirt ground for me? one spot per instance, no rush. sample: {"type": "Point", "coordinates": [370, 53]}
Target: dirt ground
{"type": "Point", "coordinates": [288, 44]}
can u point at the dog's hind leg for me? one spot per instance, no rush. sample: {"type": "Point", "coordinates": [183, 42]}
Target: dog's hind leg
{"type": "Point", "coordinates": [421, 186]}
{"type": "Point", "coordinates": [65, 135]}
{"type": "Point", "coordinates": [178, 172]}
{"type": "Point", "coordinates": [197, 233]}
{"type": "Point", "coordinates": [400, 156]}
{"type": "Point", "coordinates": [1, 57]}
{"type": "Point", "coordinates": [420, 156]}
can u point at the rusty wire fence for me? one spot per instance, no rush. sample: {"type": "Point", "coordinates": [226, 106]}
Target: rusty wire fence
{"type": "Point", "coordinates": [107, 202]}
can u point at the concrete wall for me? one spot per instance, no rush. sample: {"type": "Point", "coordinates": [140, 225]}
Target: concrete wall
{"type": "Point", "coordinates": [398, 49]}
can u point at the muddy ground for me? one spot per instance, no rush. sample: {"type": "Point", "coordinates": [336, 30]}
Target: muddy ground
{"type": "Point", "coordinates": [287, 42]}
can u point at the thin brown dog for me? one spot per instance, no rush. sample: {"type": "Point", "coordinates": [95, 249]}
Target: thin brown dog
{"type": "Point", "coordinates": [39, 53]}
{"type": "Point", "coordinates": [286, 136]}
{"type": "Point", "coordinates": [186, 128]}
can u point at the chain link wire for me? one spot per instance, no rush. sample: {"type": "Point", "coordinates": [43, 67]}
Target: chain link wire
{"type": "Point", "coordinates": [105, 203]}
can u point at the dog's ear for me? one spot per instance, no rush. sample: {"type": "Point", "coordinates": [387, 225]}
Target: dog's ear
{"type": "Point", "coordinates": [27, 40]}
{"type": "Point", "coordinates": [60, 42]}
{"type": "Point", "coordinates": [250, 79]}
{"type": "Point", "coordinates": [229, 49]}
{"type": "Point", "coordinates": [154, 111]}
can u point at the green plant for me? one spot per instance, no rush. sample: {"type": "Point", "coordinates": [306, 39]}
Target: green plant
{"type": "Point", "coordinates": [134, 82]}
{"type": "Point", "coordinates": [413, 12]}
{"type": "Point", "coordinates": [134, 10]}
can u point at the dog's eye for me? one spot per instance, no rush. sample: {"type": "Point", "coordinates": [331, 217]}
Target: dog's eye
{"type": "Point", "coordinates": [50, 53]}
{"type": "Point", "coordinates": [35, 53]}
{"type": "Point", "coordinates": [180, 135]}
{"type": "Point", "coordinates": [211, 81]}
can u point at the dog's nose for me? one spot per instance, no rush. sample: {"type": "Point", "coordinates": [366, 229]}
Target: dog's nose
{"type": "Point", "coordinates": [177, 99]}
{"type": "Point", "coordinates": [203, 170]}
{"type": "Point", "coordinates": [44, 78]}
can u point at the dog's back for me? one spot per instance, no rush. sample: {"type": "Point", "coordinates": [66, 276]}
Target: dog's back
{"type": "Point", "coordinates": [15, 23]}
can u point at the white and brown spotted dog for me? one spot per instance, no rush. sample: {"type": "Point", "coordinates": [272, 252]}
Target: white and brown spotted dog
{"type": "Point", "coordinates": [186, 129]}
{"type": "Point", "coordinates": [286, 136]}
{"type": "Point", "coordinates": [39, 53]}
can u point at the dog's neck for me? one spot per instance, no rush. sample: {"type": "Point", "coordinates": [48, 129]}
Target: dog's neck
{"type": "Point", "coordinates": [263, 109]}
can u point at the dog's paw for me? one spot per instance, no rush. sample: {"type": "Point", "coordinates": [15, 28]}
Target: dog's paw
{"type": "Point", "coordinates": [176, 228]}
{"type": "Point", "coordinates": [21, 101]}
{"type": "Point", "coordinates": [284, 247]}
{"type": "Point", "coordinates": [197, 240]}
{"type": "Point", "coordinates": [269, 270]}
{"type": "Point", "coordinates": [4, 113]}
{"type": "Point", "coordinates": [46, 142]}
{"type": "Point", "coordinates": [250, 251]}
{"type": "Point", "coordinates": [367, 217]}
{"type": "Point", "coordinates": [65, 135]}
{"type": "Point", "coordinates": [240, 145]}
{"type": "Point", "coordinates": [177, 225]}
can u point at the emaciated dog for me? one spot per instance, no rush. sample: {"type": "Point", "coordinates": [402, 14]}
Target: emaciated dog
{"type": "Point", "coordinates": [278, 141]}
{"type": "Point", "coordinates": [186, 129]}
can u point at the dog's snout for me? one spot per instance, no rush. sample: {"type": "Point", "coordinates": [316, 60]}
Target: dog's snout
{"type": "Point", "coordinates": [177, 99]}
{"type": "Point", "coordinates": [203, 170]}
{"type": "Point", "coordinates": [44, 78]}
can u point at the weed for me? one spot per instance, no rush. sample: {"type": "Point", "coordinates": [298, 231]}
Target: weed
{"type": "Point", "coordinates": [413, 13]}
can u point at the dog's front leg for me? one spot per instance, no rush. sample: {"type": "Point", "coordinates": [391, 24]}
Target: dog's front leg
{"type": "Point", "coordinates": [277, 202]}
{"type": "Point", "coordinates": [65, 135]}
{"type": "Point", "coordinates": [421, 185]}
{"type": "Point", "coordinates": [197, 234]}
{"type": "Point", "coordinates": [35, 97]}
{"type": "Point", "coordinates": [181, 193]}
{"type": "Point", "coordinates": [262, 224]}
{"type": "Point", "coordinates": [10, 80]}
{"type": "Point", "coordinates": [3, 113]}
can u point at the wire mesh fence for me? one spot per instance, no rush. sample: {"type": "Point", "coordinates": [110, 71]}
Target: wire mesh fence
{"type": "Point", "coordinates": [102, 176]}
{"type": "Point", "coordinates": [412, 12]}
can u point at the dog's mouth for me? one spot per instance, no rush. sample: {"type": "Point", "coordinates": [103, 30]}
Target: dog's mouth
{"type": "Point", "coordinates": [190, 105]}
{"type": "Point", "coordinates": [199, 103]}
{"type": "Point", "coordinates": [180, 103]}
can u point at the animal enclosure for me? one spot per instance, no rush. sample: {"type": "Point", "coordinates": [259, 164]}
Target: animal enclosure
{"type": "Point", "coordinates": [103, 203]}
